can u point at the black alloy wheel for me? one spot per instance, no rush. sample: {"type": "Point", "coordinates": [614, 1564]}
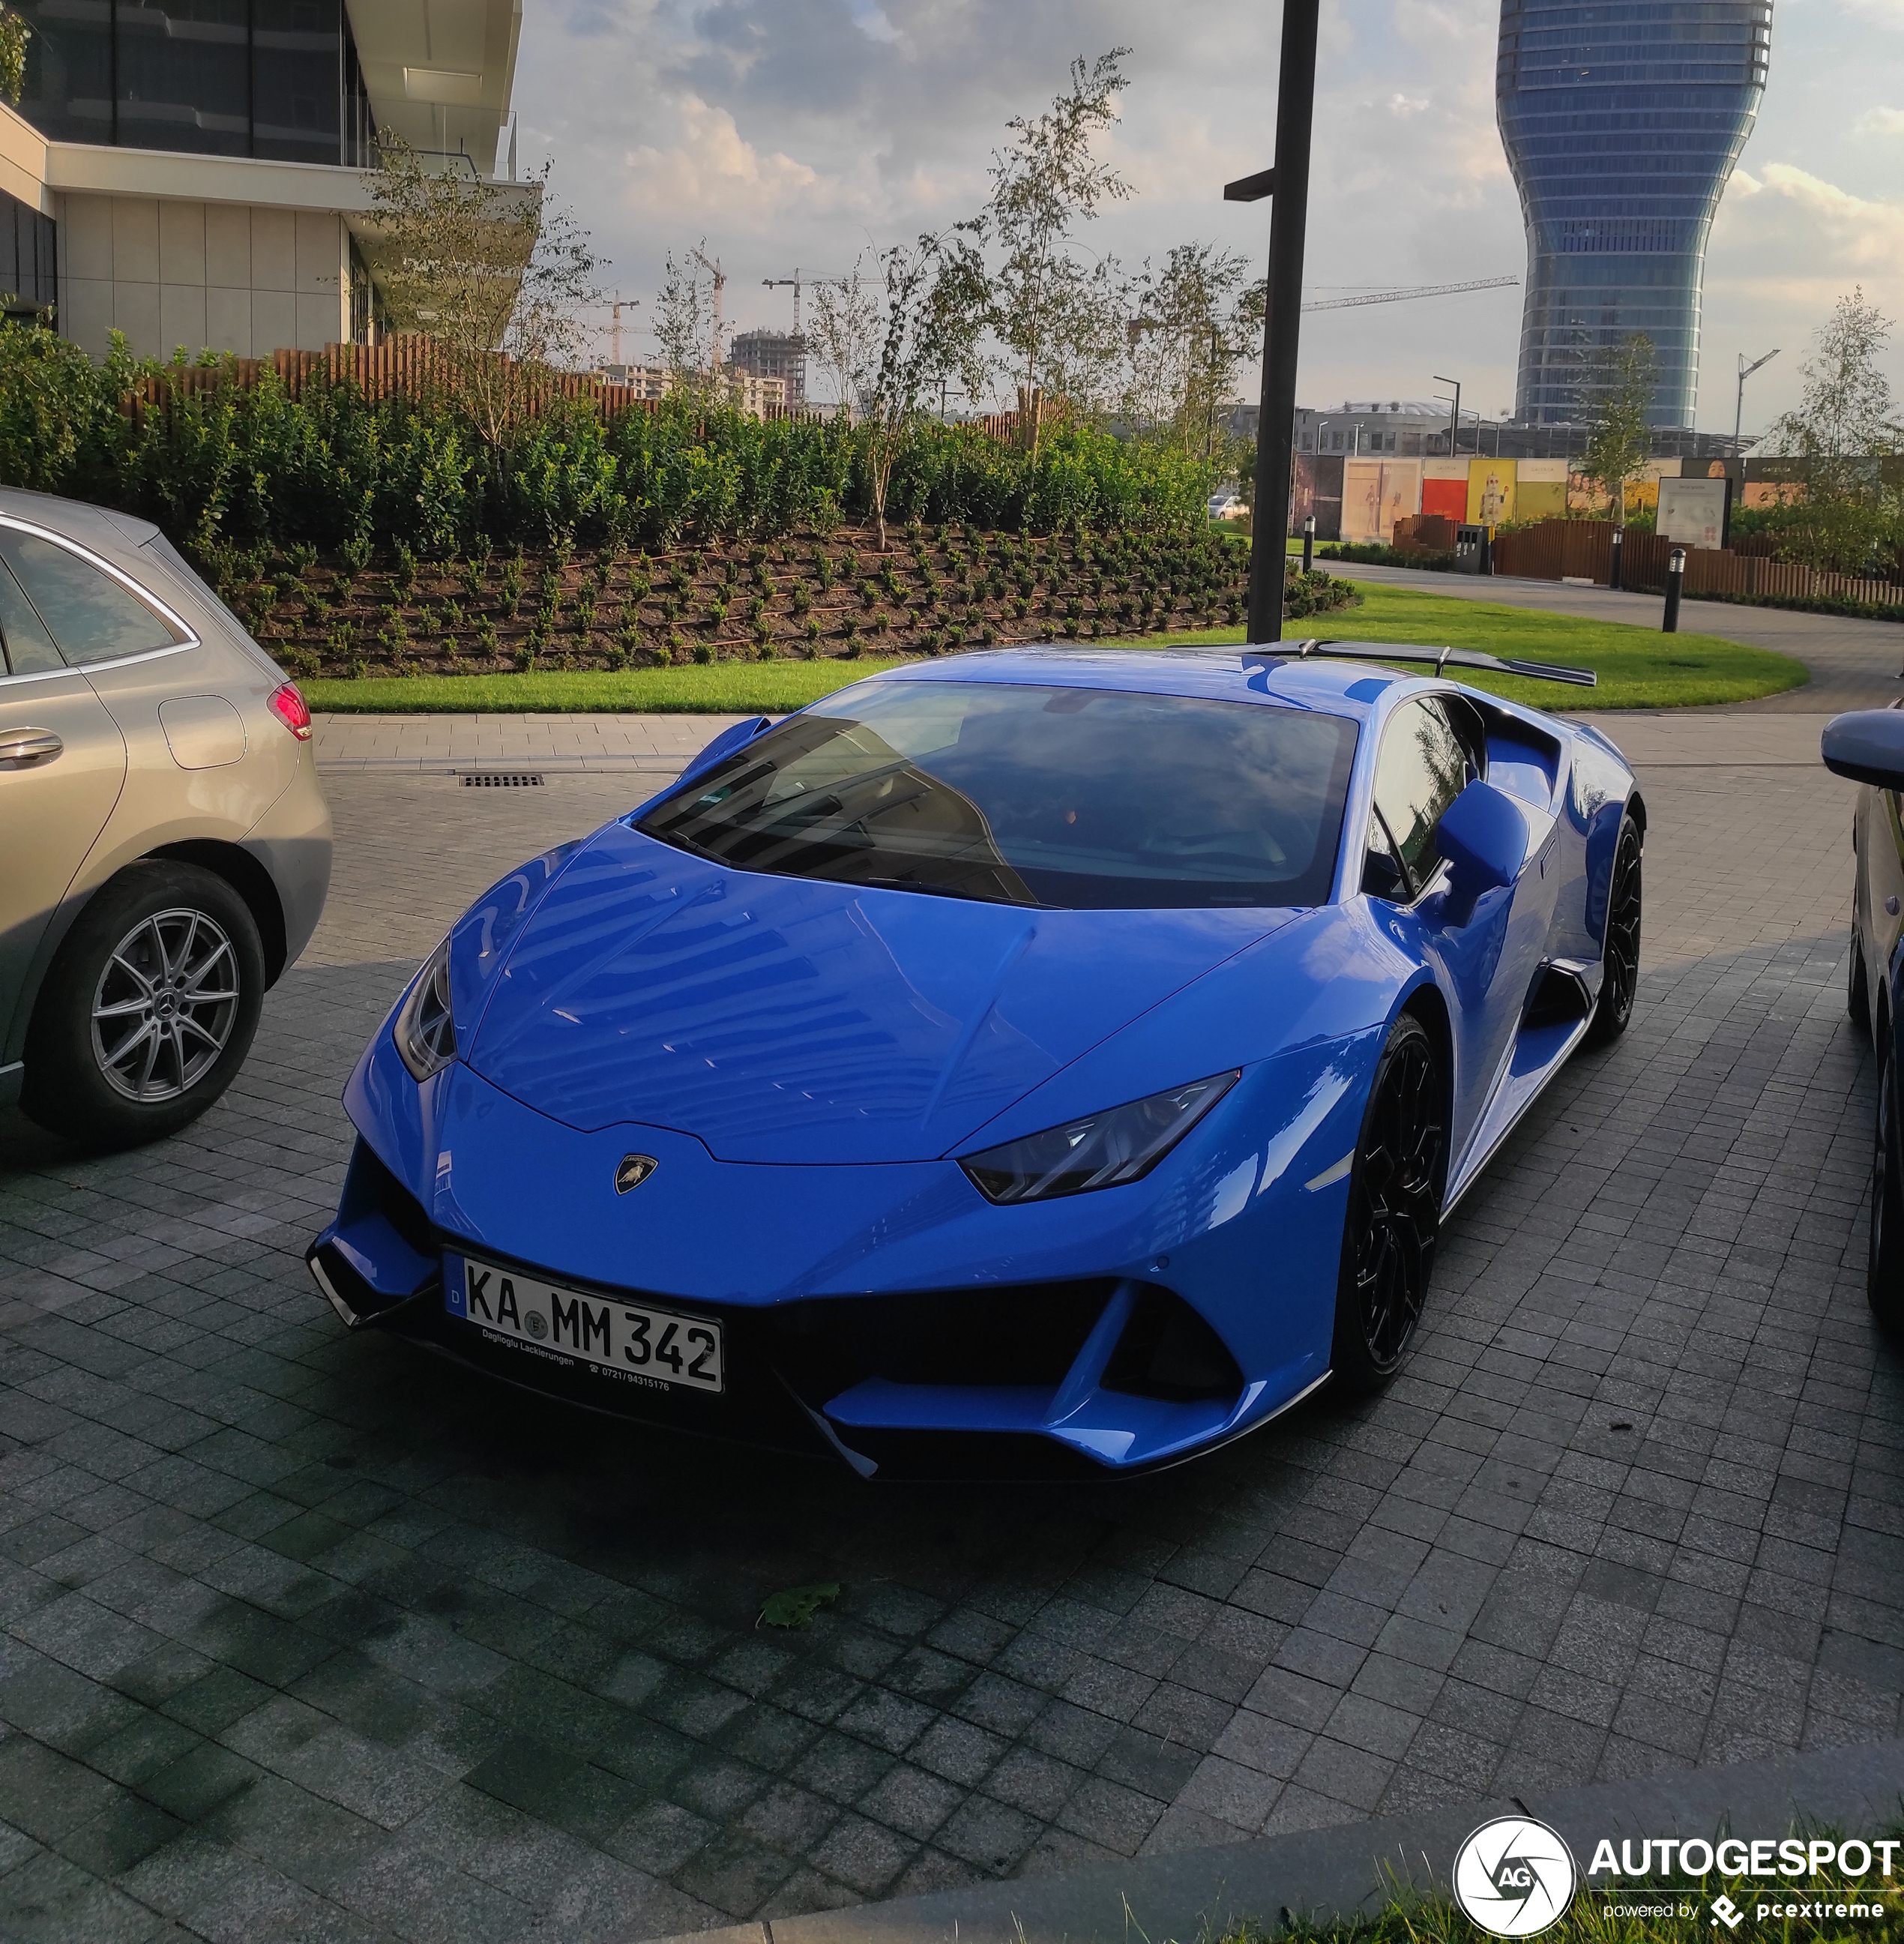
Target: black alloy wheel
{"type": "Point", "coordinates": [1857, 987]}
{"type": "Point", "coordinates": [1620, 957]}
{"type": "Point", "coordinates": [1394, 1217]}
{"type": "Point", "coordinates": [1884, 1262]}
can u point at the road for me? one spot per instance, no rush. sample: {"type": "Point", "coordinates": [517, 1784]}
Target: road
{"type": "Point", "coordinates": [303, 1635]}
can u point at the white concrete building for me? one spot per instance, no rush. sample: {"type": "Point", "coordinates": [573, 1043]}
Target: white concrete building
{"type": "Point", "coordinates": [191, 172]}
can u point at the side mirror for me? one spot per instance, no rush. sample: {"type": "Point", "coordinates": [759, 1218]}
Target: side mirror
{"type": "Point", "coordinates": [1483, 836]}
{"type": "Point", "coordinates": [725, 744]}
{"type": "Point", "coordinates": [1867, 746]}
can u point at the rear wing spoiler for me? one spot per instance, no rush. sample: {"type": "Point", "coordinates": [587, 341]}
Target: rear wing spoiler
{"type": "Point", "coordinates": [1402, 651]}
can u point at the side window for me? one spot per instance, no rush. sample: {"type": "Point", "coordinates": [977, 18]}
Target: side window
{"type": "Point", "coordinates": [90, 615]}
{"type": "Point", "coordinates": [1423, 767]}
{"type": "Point", "coordinates": [29, 647]}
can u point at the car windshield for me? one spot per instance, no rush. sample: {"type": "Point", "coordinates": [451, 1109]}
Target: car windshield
{"type": "Point", "coordinates": [1078, 799]}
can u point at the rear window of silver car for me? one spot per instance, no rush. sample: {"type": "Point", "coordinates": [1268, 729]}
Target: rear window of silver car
{"type": "Point", "coordinates": [87, 613]}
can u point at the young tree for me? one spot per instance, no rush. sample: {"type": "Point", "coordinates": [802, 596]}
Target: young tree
{"type": "Point", "coordinates": [1845, 421]}
{"type": "Point", "coordinates": [1192, 327]}
{"type": "Point", "coordinates": [1616, 402]}
{"type": "Point", "coordinates": [683, 320]}
{"type": "Point", "coordinates": [480, 269]}
{"type": "Point", "coordinates": [936, 300]}
{"type": "Point", "coordinates": [843, 332]}
{"type": "Point", "coordinates": [1055, 314]}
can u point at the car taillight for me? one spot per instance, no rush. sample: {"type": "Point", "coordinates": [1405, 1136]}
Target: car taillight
{"type": "Point", "coordinates": [291, 709]}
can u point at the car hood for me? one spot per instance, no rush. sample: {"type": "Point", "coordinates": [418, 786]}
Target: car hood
{"type": "Point", "coordinates": [788, 1020]}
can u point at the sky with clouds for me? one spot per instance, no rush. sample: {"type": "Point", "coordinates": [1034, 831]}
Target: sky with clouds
{"type": "Point", "coordinates": [794, 133]}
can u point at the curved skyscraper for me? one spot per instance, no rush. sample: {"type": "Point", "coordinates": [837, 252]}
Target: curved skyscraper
{"type": "Point", "coordinates": [1622, 124]}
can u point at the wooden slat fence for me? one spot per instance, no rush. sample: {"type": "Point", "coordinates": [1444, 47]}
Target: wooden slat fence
{"type": "Point", "coordinates": [1582, 550]}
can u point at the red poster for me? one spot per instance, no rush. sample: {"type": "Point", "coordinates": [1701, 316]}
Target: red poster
{"type": "Point", "coordinates": [1448, 497]}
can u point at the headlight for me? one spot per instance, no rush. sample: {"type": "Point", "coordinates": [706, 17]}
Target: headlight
{"type": "Point", "coordinates": [1102, 1151]}
{"type": "Point", "coordinates": [425, 1028]}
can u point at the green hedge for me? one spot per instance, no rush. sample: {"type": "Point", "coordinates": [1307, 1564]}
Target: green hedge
{"type": "Point", "coordinates": [245, 467]}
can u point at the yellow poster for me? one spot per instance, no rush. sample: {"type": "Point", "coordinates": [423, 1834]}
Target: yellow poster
{"type": "Point", "coordinates": [1540, 489]}
{"type": "Point", "coordinates": [1490, 491]}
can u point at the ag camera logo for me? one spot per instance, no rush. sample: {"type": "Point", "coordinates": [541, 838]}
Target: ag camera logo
{"type": "Point", "coordinates": [1514, 1876]}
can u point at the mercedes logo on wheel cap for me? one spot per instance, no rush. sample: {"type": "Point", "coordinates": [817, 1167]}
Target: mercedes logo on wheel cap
{"type": "Point", "coordinates": [632, 1169]}
{"type": "Point", "coordinates": [1515, 1876]}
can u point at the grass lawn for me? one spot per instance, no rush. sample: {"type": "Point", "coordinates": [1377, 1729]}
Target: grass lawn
{"type": "Point", "coordinates": [1638, 668]}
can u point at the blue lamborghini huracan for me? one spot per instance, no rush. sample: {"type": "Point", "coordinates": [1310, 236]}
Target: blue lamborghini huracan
{"type": "Point", "coordinates": [1053, 1059]}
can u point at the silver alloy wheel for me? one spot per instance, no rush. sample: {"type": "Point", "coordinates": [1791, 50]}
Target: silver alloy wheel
{"type": "Point", "coordinates": [165, 1005]}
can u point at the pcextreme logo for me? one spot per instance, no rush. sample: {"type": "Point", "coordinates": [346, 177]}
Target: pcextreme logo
{"type": "Point", "coordinates": [1515, 1876]}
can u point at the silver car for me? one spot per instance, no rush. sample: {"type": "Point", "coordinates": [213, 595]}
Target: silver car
{"type": "Point", "coordinates": [164, 847]}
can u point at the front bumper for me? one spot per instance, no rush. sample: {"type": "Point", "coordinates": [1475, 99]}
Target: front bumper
{"type": "Point", "coordinates": [887, 1314]}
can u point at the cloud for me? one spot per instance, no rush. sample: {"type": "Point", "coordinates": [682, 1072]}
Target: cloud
{"type": "Point", "coordinates": [1880, 122]}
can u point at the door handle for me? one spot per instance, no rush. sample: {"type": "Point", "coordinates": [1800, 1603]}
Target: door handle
{"type": "Point", "coordinates": [1890, 905]}
{"type": "Point", "coordinates": [29, 746]}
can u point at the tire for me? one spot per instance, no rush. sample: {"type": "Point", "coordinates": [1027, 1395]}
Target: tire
{"type": "Point", "coordinates": [1619, 956]}
{"type": "Point", "coordinates": [1884, 1260]}
{"type": "Point", "coordinates": [1394, 1217]}
{"type": "Point", "coordinates": [1857, 988]}
{"type": "Point", "coordinates": [148, 1009]}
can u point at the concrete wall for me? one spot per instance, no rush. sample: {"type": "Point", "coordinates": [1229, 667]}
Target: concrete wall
{"type": "Point", "coordinates": [209, 275]}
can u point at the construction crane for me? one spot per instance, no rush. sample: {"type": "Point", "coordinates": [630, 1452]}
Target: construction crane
{"type": "Point", "coordinates": [720, 277]}
{"type": "Point", "coordinates": [620, 303]}
{"type": "Point", "coordinates": [791, 283]}
{"type": "Point", "coordinates": [1418, 291]}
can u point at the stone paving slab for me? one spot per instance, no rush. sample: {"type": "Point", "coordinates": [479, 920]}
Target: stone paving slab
{"type": "Point", "coordinates": [1355, 1869]}
{"type": "Point", "coordinates": [303, 1634]}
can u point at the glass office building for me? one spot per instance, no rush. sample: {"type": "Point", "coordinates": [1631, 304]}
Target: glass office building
{"type": "Point", "coordinates": [1622, 124]}
{"type": "Point", "coordinates": [274, 79]}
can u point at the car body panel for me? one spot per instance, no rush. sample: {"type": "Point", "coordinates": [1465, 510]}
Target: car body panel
{"type": "Point", "coordinates": [786, 1019]}
{"type": "Point", "coordinates": [257, 817]}
{"type": "Point", "coordinates": [804, 1062]}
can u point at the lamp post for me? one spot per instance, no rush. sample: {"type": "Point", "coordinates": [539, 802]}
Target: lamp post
{"type": "Point", "coordinates": [1288, 181]}
{"type": "Point", "coordinates": [1745, 372]}
{"type": "Point", "coordinates": [1454, 416]}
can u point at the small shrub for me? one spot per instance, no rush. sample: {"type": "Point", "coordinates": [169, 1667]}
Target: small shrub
{"type": "Point", "coordinates": [302, 557]}
{"type": "Point", "coordinates": [824, 572]}
{"type": "Point", "coordinates": [355, 553]}
{"type": "Point", "coordinates": [357, 671]}
{"type": "Point", "coordinates": [404, 575]}
{"type": "Point", "coordinates": [300, 663]}
{"type": "Point", "coordinates": [524, 658]}
{"type": "Point", "coordinates": [677, 644]}
{"type": "Point", "coordinates": [616, 656]}
{"type": "Point", "coordinates": [512, 583]}
{"type": "Point", "coordinates": [704, 651]}
{"type": "Point", "coordinates": [486, 635]}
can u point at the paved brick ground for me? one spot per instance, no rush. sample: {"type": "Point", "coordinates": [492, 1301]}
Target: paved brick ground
{"type": "Point", "coordinates": [305, 1637]}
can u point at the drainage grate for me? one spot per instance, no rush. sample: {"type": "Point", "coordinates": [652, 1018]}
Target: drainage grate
{"type": "Point", "coordinates": [500, 780]}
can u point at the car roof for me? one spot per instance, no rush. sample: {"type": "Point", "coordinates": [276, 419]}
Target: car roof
{"type": "Point", "coordinates": [1231, 674]}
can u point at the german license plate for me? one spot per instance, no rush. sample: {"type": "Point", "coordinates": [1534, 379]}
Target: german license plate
{"type": "Point", "coordinates": [637, 1343]}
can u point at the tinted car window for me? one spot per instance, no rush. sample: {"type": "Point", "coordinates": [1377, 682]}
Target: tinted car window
{"type": "Point", "coordinates": [29, 647]}
{"type": "Point", "coordinates": [1070, 798]}
{"type": "Point", "coordinates": [90, 615]}
{"type": "Point", "coordinates": [1423, 767]}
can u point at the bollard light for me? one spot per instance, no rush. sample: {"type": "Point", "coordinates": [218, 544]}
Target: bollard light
{"type": "Point", "coordinates": [1308, 543]}
{"type": "Point", "coordinates": [1675, 581]}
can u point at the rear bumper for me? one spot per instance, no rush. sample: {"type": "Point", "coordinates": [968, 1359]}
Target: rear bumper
{"type": "Point", "coordinates": [292, 840]}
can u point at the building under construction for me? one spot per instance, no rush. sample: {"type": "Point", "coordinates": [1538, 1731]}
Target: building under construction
{"type": "Point", "coordinates": [774, 354]}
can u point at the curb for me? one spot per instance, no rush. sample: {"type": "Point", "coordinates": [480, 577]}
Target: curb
{"type": "Point", "coordinates": [1198, 1894]}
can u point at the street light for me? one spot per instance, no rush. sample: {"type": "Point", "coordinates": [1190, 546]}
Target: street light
{"type": "Point", "coordinates": [1745, 372]}
{"type": "Point", "coordinates": [1454, 417]}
